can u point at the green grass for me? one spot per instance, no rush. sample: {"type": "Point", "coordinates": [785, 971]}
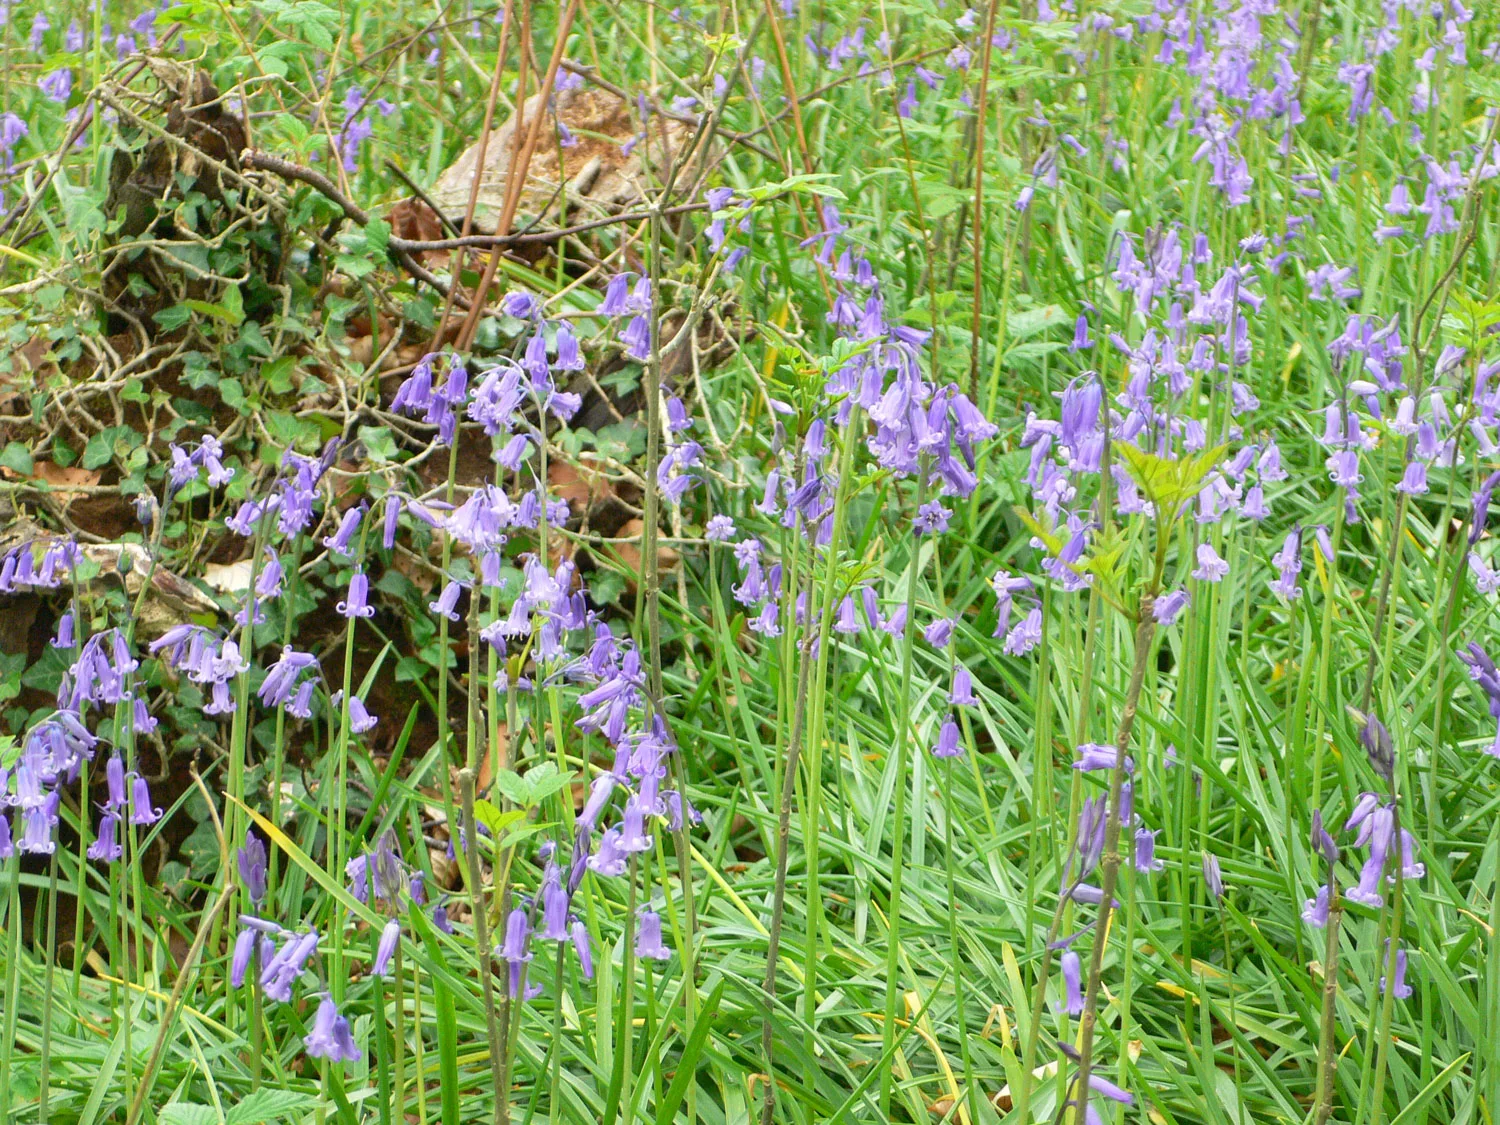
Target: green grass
{"type": "Point", "coordinates": [914, 908]}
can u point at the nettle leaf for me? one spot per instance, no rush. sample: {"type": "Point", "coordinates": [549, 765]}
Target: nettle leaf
{"type": "Point", "coordinates": [268, 1105]}
{"type": "Point", "coordinates": [1472, 318]}
{"type": "Point", "coordinates": [807, 183]}
{"type": "Point", "coordinates": [1106, 551]}
{"type": "Point", "coordinates": [1028, 322]}
{"type": "Point", "coordinates": [188, 1113]}
{"type": "Point", "coordinates": [378, 235]}
{"type": "Point", "coordinates": [218, 312]}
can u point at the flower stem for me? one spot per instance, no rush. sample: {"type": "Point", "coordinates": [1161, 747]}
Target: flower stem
{"type": "Point", "coordinates": [898, 812]}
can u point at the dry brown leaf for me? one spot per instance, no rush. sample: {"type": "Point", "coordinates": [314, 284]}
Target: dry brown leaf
{"type": "Point", "coordinates": [57, 477]}
{"type": "Point", "coordinates": [486, 761]}
{"type": "Point", "coordinates": [596, 174]}
{"type": "Point", "coordinates": [582, 488]}
{"type": "Point", "coordinates": [630, 553]}
{"type": "Point", "coordinates": [229, 578]}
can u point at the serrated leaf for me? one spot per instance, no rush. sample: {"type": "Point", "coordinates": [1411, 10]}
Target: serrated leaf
{"type": "Point", "coordinates": [1053, 544]}
{"type": "Point", "coordinates": [514, 786]}
{"type": "Point", "coordinates": [545, 780]}
{"type": "Point", "coordinates": [355, 267]}
{"type": "Point", "coordinates": [492, 818]}
{"type": "Point", "coordinates": [267, 1105]}
{"type": "Point", "coordinates": [378, 235]}
{"type": "Point", "coordinates": [1169, 484]}
{"type": "Point", "coordinates": [189, 1113]}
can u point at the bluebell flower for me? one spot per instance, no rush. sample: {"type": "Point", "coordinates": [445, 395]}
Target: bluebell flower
{"type": "Point", "coordinates": [931, 519]}
{"type": "Point", "coordinates": [338, 542]}
{"type": "Point", "coordinates": [415, 393]}
{"type": "Point", "coordinates": [610, 860]}
{"type": "Point", "coordinates": [583, 948]}
{"type": "Point", "coordinates": [390, 938]}
{"type": "Point", "coordinates": [447, 600]}
{"type": "Point", "coordinates": [615, 294]}
{"type": "Point", "coordinates": [357, 602]}
{"type": "Point", "coordinates": [520, 304]}
{"type": "Point", "coordinates": [1169, 607]}
{"type": "Point", "coordinates": [514, 948]}
{"type": "Point", "coordinates": [330, 1037]}
{"type": "Point", "coordinates": [244, 952]}
{"type": "Point", "coordinates": [1399, 988]}
{"type": "Point", "coordinates": [939, 633]}
{"type": "Point", "coordinates": [106, 847]}
{"type": "Point", "coordinates": [280, 972]}
{"type": "Point", "coordinates": [141, 810]}
{"type": "Point", "coordinates": [1212, 875]}
{"type": "Point", "coordinates": [1096, 756]}
{"type": "Point", "coordinates": [1210, 568]}
{"type": "Point", "coordinates": [1072, 973]}
{"type": "Point", "coordinates": [648, 941]}
{"type": "Point", "coordinates": [554, 905]}
{"type": "Point", "coordinates": [1315, 910]}
{"type": "Point", "coordinates": [948, 743]}
{"type": "Point", "coordinates": [1145, 851]}
{"type": "Point", "coordinates": [252, 862]}
{"type": "Point", "coordinates": [637, 339]}
{"type": "Point", "coordinates": [281, 678]}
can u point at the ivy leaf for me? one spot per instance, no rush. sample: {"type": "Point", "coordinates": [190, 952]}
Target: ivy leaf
{"type": "Point", "coordinates": [17, 458]}
{"type": "Point", "coordinates": [378, 443]}
{"type": "Point", "coordinates": [106, 444]}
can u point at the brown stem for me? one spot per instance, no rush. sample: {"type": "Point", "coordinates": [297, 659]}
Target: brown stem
{"type": "Point", "coordinates": [1109, 865]}
{"type": "Point", "coordinates": [1327, 1057]}
{"type": "Point", "coordinates": [979, 130]}
{"type": "Point", "coordinates": [484, 142]}
{"type": "Point", "coordinates": [516, 172]}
